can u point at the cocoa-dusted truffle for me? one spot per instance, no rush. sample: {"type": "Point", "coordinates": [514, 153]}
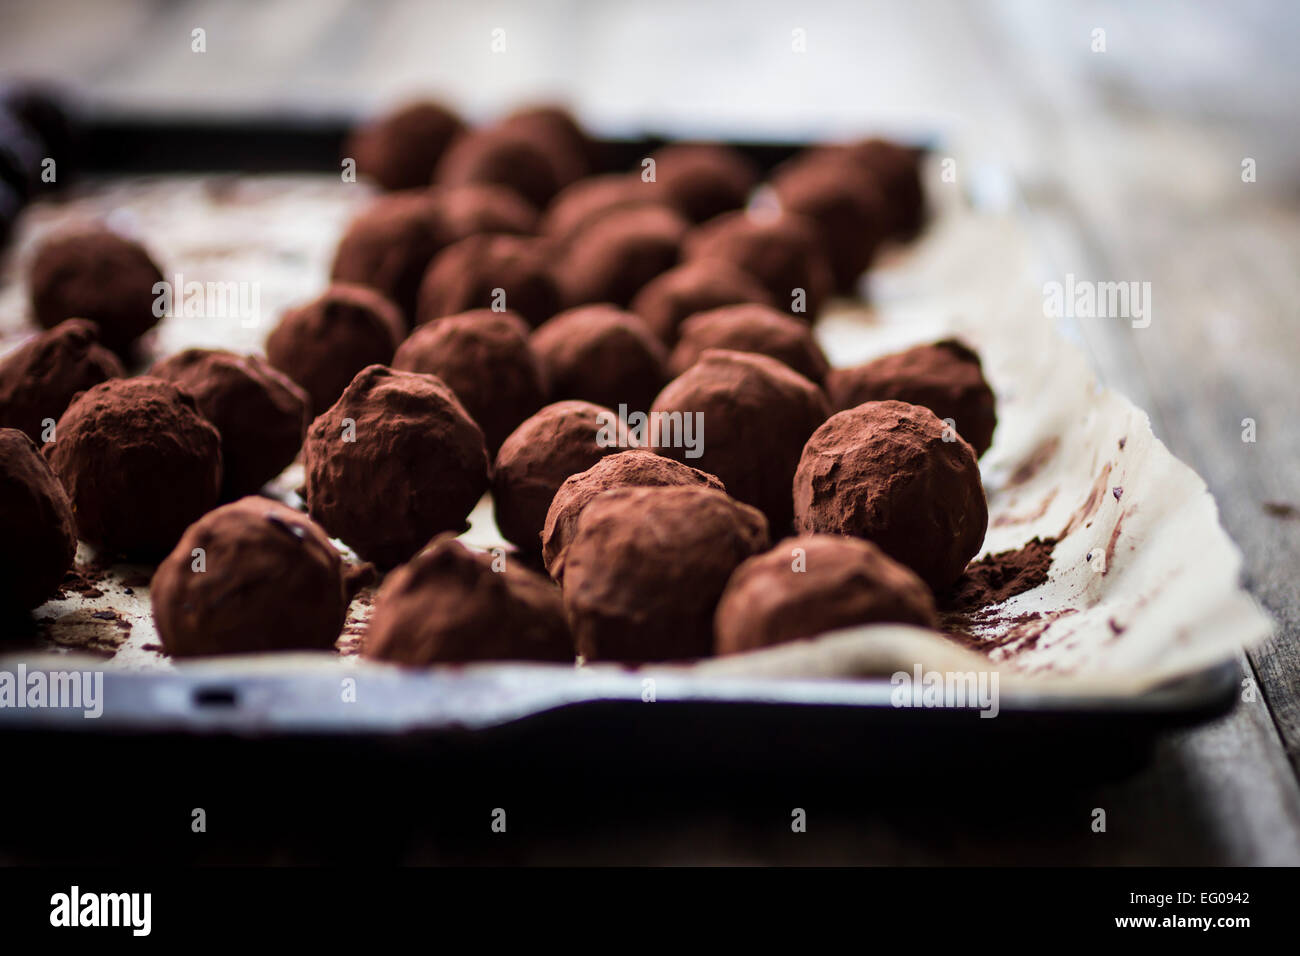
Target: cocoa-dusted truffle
{"type": "Point", "coordinates": [507, 157]}
{"type": "Point", "coordinates": [588, 199]}
{"type": "Point", "coordinates": [485, 358]}
{"type": "Point", "coordinates": [389, 246]}
{"type": "Point", "coordinates": [885, 471]}
{"type": "Point", "coordinates": [703, 180]}
{"type": "Point", "coordinates": [846, 207]}
{"type": "Point", "coordinates": [401, 148]}
{"type": "Point", "coordinates": [945, 377]}
{"type": "Point", "coordinates": [603, 355]}
{"type": "Point", "coordinates": [262, 415]}
{"type": "Point", "coordinates": [896, 168]}
{"type": "Point", "coordinates": [100, 276]}
{"type": "Point", "coordinates": [38, 536]}
{"type": "Point", "coordinates": [559, 135]}
{"type": "Point", "coordinates": [753, 416]}
{"type": "Point", "coordinates": [646, 566]}
{"type": "Point", "coordinates": [751, 328]}
{"type": "Point", "coordinates": [481, 207]}
{"type": "Point", "coordinates": [816, 583]}
{"type": "Point", "coordinates": [562, 439]}
{"type": "Point", "coordinates": [783, 252]}
{"type": "Point", "coordinates": [40, 377]}
{"type": "Point", "coordinates": [637, 468]}
{"type": "Point", "coordinates": [667, 300]}
{"type": "Point", "coordinates": [138, 462]}
{"type": "Point", "coordinates": [613, 256]}
{"type": "Point", "coordinates": [490, 272]}
{"type": "Point", "coordinates": [251, 576]}
{"type": "Point", "coordinates": [451, 605]}
{"type": "Point", "coordinates": [322, 345]}
{"type": "Point", "coordinates": [395, 461]}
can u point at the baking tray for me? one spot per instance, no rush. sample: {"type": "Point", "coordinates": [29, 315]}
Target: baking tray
{"type": "Point", "coordinates": [508, 715]}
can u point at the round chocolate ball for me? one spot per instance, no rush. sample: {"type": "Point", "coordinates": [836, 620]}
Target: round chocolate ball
{"type": "Point", "coordinates": [783, 252]}
{"type": "Point", "coordinates": [558, 441]}
{"type": "Point", "coordinates": [703, 180]}
{"type": "Point", "coordinates": [485, 358]}
{"type": "Point", "coordinates": [261, 414]}
{"type": "Point", "coordinates": [100, 276]}
{"type": "Point", "coordinates": [894, 474]}
{"type": "Point", "coordinates": [139, 463]}
{"type": "Point", "coordinates": [750, 328]}
{"type": "Point", "coordinates": [38, 534]}
{"type": "Point", "coordinates": [286, 578]}
{"type": "Point", "coordinates": [559, 135]}
{"type": "Point", "coordinates": [481, 207]}
{"type": "Point", "coordinates": [945, 377]}
{"type": "Point", "coordinates": [39, 378]}
{"type": "Point", "coordinates": [896, 169]}
{"type": "Point", "coordinates": [322, 345]}
{"type": "Point", "coordinates": [671, 297]}
{"type": "Point", "coordinates": [490, 272]}
{"type": "Point", "coordinates": [847, 209]}
{"type": "Point", "coordinates": [752, 415]}
{"type": "Point", "coordinates": [816, 583]}
{"type": "Point", "coordinates": [507, 157]}
{"type": "Point", "coordinates": [395, 461]}
{"type": "Point", "coordinates": [636, 468]}
{"type": "Point", "coordinates": [601, 354]}
{"type": "Point", "coordinates": [451, 605]}
{"type": "Point", "coordinates": [401, 148]}
{"type": "Point", "coordinates": [613, 256]}
{"type": "Point", "coordinates": [646, 567]}
{"type": "Point", "coordinates": [389, 246]}
{"type": "Point", "coordinates": [588, 199]}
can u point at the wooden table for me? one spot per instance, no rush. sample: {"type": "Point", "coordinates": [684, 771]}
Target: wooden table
{"type": "Point", "coordinates": [1130, 161]}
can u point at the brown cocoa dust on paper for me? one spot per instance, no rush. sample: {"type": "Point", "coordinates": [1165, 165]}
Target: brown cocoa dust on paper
{"type": "Point", "coordinates": [969, 610]}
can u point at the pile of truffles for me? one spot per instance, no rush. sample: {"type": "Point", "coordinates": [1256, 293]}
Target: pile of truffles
{"type": "Point", "coordinates": [625, 360]}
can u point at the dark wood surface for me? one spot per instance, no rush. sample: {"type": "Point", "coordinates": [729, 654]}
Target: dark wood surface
{"type": "Point", "coordinates": [1130, 164]}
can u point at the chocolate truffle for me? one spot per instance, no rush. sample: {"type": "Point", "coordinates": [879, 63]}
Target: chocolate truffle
{"type": "Point", "coordinates": [637, 468]}
{"type": "Point", "coordinates": [139, 463]}
{"type": "Point", "coordinates": [261, 415]}
{"type": "Point", "coordinates": [481, 207]}
{"type": "Point", "coordinates": [266, 579]}
{"type": "Point", "coordinates": [646, 566]}
{"type": "Point", "coordinates": [560, 440]}
{"type": "Point", "coordinates": [813, 584]}
{"type": "Point", "coordinates": [40, 377]}
{"type": "Point", "coordinates": [783, 252]}
{"type": "Point", "coordinates": [751, 328]}
{"type": "Point", "coordinates": [490, 272]}
{"type": "Point", "coordinates": [401, 148]}
{"type": "Point", "coordinates": [507, 157]}
{"type": "Point", "coordinates": [893, 473]}
{"type": "Point", "coordinates": [38, 536]}
{"type": "Point", "coordinates": [588, 199]}
{"type": "Point", "coordinates": [754, 415]}
{"type": "Point", "coordinates": [945, 377]}
{"type": "Point", "coordinates": [395, 461]}
{"type": "Point", "coordinates": [485, 358]}
{"type": "Point", "coordinates": [322, 345]}
{"type": "Point", "coordinates": [698, 285]}
{"type": "Point", "coordinates": [601, 354]}
{"type": "Point", "coordinates": [100, 276]}
{"type": "Point", "coordinates": [614, 255]}
{"type": "Point", "coordinates": [450, 605]}
{"type": "Point", "coordinates": [897, 171]}
{"type": "Point", "coordinates": [703, 180]}
{"type": "Point", "coordinates": [559, 135]}
{"type": "Point", "coordinates": [390, 245]}
{"type": "Point", "coordinates": [847, 209]}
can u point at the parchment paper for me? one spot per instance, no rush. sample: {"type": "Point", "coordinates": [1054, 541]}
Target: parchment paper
{"type": "Point", "coordinates": [1144, 583]}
